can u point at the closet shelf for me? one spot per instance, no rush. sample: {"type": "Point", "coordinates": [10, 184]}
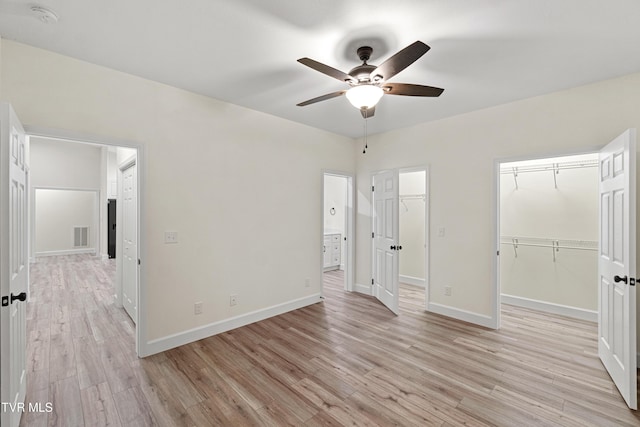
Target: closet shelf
{"type": "Point", "coordinates": [554, 244]}
{"type": "Point", "coordinates": [555, 168]}
{"type": "Point", "coordinates": [412, 197]}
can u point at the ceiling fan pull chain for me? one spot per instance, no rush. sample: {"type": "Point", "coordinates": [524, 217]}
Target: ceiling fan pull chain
{"type": "Point", "coordinates": [364, 151]}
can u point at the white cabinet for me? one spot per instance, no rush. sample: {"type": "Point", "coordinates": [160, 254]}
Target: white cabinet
{"type": "Point", "coordinates": [331, 251]}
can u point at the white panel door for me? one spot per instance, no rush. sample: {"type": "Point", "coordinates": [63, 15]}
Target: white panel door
{"type": "Point", "coordinates": [13, 265]}
{"type": "Point", "coordinates": [617, 264]}
{"type": "Point", "coordinates": [385, 238]}
{"type": "Point", "coordinates": [129, 241]}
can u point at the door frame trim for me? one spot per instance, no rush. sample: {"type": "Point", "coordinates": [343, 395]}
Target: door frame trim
{"type": "Point", "coordinates": [495, 320]}
{"type": "Point", "coordinates": [350, 227]}
{"type": "Point", "coordinates": [79, 137]}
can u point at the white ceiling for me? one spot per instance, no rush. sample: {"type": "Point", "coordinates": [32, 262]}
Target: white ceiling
{"type": "Point", "coordinates": [483, 52]}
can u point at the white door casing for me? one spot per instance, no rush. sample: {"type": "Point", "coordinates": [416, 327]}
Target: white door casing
{"type": "Point", "coordinates": [385, 238]}
{"type": "Point", "coordinates": [129, 241]}
{"type": "Point", "coordinates": [617, 264]}
{"type": "Point", "coordinates": [14, 264]}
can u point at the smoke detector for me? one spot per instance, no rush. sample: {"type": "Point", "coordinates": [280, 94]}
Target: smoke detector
{"type": "Point", "coordinates": [44, 15]}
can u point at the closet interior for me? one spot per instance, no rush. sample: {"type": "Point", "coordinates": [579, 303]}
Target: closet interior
{"type": "Point", "coordinates": [549, 234]}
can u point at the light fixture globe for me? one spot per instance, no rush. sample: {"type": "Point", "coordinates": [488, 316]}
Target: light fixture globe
{"type": "Point", "coordinates": [364, 96]}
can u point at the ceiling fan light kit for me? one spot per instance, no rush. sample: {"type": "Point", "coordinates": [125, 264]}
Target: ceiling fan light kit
{"type": "Point", "coordinates": [369, 82]}
{"type": "Point", "coordinates": [364, 96]}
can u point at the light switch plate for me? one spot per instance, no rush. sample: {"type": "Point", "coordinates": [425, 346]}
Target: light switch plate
{"type": "Point", "coordinates": [171, 237]}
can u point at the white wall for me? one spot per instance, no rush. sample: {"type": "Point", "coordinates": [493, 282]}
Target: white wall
{"type": "Point", "coordinates": [241, 188]}
{"type": "Point", "coordinates": [112, 173]}
{"type": "Point", "coordinates": [461, 152]}
{"type": "Point", "coordinates": [537, 209]}
{"type": "Point", "coordinates": [57, 212]}
{"type": "Point", "coordinates": [412, 224]}
{"type": "Point", "coordinates": [63, 165]}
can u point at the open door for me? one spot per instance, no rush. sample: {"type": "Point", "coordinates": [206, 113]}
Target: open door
{"type": "Point", "coordinates": [385, 238]}
{"type": "Point", "coordinates": [617, 264]}
{"type": "Point", "coordinates": [13, 265]}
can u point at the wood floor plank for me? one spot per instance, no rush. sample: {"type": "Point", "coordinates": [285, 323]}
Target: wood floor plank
{"type": "Point", "coordinates": [66, 403]}
{"type": "Point", "coordinates": [132, 407]}
{"type": "Point", "coordinates": [88, 362]}
{"type": "Point", "coordinates": [98, 406]}
{"type": "Point", "coordinates": [346, 361]}
{"type": "Point", "coordinates": [62, 359]}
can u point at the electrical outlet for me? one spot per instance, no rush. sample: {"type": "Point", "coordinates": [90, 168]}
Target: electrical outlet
{"type": "Point", "coordinates": [307, 282]}
{"type": "Point", "coordinates": [447, 291]}
{"type": "Point", "coordinates": [197, 308]}
{"type": "Point", "coordinates": [441, 232]}
{"type": "Point", "coordinates": [233, 300]}
{"type": "Point", "coordinates": [171, 237]}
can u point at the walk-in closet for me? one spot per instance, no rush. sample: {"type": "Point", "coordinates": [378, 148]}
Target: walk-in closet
{"type": "Point", "coordinates": [549, 234]}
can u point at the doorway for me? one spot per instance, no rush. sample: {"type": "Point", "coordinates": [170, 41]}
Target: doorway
{"type": "Point", "coordinates": [549, 234]}
{"type": "Point", "coordinates": [412, 218]}
{"type": "Point", "coordinates": [613, 284]}
{"type": "Point", "coordinates": [96, 165]}
{"type": "Point", "coordinates": [399, 226]}
{"type": "Point", "coordinates": [337, 232]}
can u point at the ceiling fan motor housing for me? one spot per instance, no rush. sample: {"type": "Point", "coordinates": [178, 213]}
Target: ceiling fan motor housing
{"type": "Point", "coordinates": [362, 73]}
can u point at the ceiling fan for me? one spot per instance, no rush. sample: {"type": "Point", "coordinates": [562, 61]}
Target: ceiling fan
{"type": "Point", "coordinates": [369, 82]}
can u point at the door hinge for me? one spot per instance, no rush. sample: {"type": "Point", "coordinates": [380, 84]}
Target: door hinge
{"type": "Point", "coordinates": [372, 281]}
{"type": "Point", "coordinates": [373, 235]}
{"type": "Point", "coordinates": [5, 301]}
{"type": "Point", "coordinates": [138, 261]}
{"type": "Point", "coordinates": [373, 188]}
{"type": "Point", "coordinates": [632, 281]}
{"type": "Point", "coordinates": [498, 253]}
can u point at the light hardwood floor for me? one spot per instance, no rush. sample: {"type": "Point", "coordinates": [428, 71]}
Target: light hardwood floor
{"type": "Point", "coordinates": [346, 361]}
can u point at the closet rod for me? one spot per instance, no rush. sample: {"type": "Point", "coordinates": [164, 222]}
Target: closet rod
{"type": "Point", "coordinates": [412, 196]}
{"type": "Point", "coordinates": [554, 244]}
{"type": "Point", "coordinates": [550, 167]}
{"type": "Point", "coordinates": [541, 245]}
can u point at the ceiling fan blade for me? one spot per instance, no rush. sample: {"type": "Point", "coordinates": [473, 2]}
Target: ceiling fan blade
{"type": "Point", "coordinates": [366, 113]}
{"type": "Point", "coordinates": [407, 89]}
{"type": "Point", "coordinates": [321, 98]}
{"type": "Point", "coordinates": [325, 69]}
{"type": "Point", "coordinates": [400, 61]}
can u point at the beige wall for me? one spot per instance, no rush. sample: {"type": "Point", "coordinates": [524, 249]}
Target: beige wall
{"type": "Point", "coordinates": [462, 151]}
{"type": "Point", "coordinates": [241, 188]}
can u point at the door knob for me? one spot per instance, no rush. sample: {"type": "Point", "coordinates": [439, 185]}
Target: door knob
{"type": "Point", "coordinates": [617, 279]}
{"type": "Point", "coordinates": [399, 248]}
{"type": "Point", "coordinates": [22, 296]}
{"type": "Point", "coordinates": [393, 248]}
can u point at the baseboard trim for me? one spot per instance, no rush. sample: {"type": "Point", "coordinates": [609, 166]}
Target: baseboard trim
{"type": "Point", "coordinates": [549, 307]}
{"type": "Point", "coordinates": [363, 289]}
{"type": "Point", "coordinates": [415, 281]}
{"type": "Point", "coordinates": [464, 315]}
{"type": "Point", "coordinates": [67, 252]}
{"type": "Point", "coordinates": [195, 334]}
